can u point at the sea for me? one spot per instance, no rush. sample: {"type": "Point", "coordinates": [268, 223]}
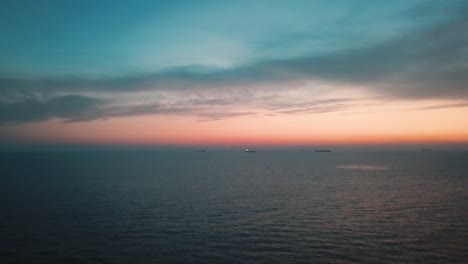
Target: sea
{"type": "Point", "coordinates": [228, 206]}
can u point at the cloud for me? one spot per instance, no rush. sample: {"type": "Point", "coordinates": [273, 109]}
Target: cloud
{"type": "Point", "coordinates": [316, 109]}
{"type": "Point", "coordinates": [70, 107]}
{"type": "Point", "coordinates": [362, 167]}
{"type": "Point", "coordinates": [76, 108]}
{"type": "Point", "coordinates": [223, 115]}
{"type": "Point", "coordinates": [454, 105]}
{"type": "Point", "coordinates": [309, 104]}
{"type": "Point", "coordinates": [430, 62]}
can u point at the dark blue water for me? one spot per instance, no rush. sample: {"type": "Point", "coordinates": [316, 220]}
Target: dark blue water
{"type": "Point", "coordinates": [234, 207]}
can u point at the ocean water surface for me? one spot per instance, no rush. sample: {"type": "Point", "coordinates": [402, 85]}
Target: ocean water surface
{"type": "Point", "coordinates": [226, 206]}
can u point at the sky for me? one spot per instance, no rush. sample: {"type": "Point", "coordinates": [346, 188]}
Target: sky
{"type": "Point", "coordinates": [233, 72]}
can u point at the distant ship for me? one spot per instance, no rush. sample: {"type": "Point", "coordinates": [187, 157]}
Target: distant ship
{"type": "Point", "coordinates": [425, 150]}
{"type": "Point", "coordinates": [323, 150]}
{"type": "Point", "coordinates": [249, 151]}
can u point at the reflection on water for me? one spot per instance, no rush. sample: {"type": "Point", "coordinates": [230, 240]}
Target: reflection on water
{"type": "Point", "coordinates": [228, 207]}
{"type": "Point", "coordinates": [362, 167]}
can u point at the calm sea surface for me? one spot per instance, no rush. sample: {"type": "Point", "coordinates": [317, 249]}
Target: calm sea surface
{"type": "Point", "coordinates": [234, 207]}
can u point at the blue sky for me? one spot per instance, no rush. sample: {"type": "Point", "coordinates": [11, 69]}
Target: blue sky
{"type": "Point", "coordinates": [107, 38]}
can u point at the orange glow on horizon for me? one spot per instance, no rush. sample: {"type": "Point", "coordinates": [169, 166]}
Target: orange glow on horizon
{"type": "Point", "coordinates": [385, 123]}
{"type": "Point", "coordinates": [382, 127]}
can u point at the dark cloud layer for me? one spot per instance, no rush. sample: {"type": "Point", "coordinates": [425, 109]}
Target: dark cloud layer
{"type": "Point", "coordinates": [429, 63]}
{"type": "Point", "coordinates": [70, 107]}
{"type": "Point", "coordinates": [74, 108]}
